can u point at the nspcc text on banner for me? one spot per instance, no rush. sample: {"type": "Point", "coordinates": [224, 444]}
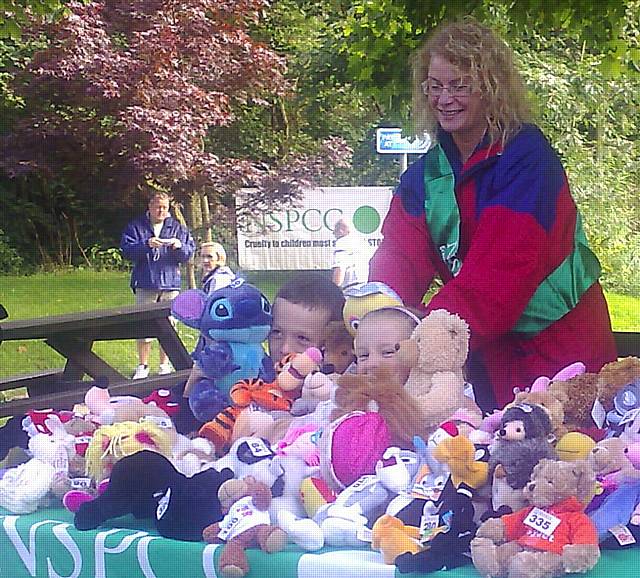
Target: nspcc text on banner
{"type": "Point", "coordinates": [300, 236]}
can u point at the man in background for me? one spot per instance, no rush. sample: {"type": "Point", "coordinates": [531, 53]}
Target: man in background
{"type": "Point", "coordinates": [351, 256]}
{"type": "Point", "coordinates": [157, 244]}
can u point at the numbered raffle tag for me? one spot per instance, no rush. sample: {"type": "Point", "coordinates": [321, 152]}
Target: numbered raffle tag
{"type": "Point", "coordinates": [259, 449]}
{"type": "Point", "coordinates": [428, 526]}
{"type": "Point", "coordinates": [80, 483]}
{"type": "Point", "coordinates": [362, 483]}
{"type": "Point", "coordinates": [623, 535]}
{"type": "Point", "coordinates": [542, 521]}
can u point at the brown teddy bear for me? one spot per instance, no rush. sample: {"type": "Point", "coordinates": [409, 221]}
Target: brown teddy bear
{"type": "Point", "coordinates": [381, 393]}
{"type": "Point", "coordinates": [436, 353]}
{"type": "Point", "coordinates": [577, 396]}
{"type": "Point", "coordinates": [614, 376]}
{"type": "Point", "coordinates": [246, 524]}
{"type": "Point", "coordinates": [551, 537]}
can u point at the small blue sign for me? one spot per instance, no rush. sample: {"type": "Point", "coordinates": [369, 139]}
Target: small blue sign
{"type": "Point", "coordinates": [391, 141]}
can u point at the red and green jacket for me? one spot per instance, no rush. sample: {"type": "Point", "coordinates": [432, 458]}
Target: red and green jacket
{"type": "Point", "coordinates": [517, 226]}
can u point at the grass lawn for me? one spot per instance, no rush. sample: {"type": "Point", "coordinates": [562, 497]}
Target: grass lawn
{"type": "Point", "coordinates": [66, 292]}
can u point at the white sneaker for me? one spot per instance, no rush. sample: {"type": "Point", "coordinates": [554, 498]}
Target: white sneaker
{"type": "Point", "coordinates": [165, 369]}
{"type": "Point", "coordinates": [142, 371]}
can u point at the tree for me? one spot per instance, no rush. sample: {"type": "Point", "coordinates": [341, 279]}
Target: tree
{"type": "Point", "coordinates": [124, 95]}
{"type": "Point", "coordinates": [377, 36]}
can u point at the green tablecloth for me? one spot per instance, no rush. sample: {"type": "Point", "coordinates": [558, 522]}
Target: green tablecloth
{"type": "Point", "coordinates": [45, 544]}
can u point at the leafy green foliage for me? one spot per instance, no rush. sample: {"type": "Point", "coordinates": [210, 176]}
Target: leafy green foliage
{"type": "Point", "coordinates": [10, 260]}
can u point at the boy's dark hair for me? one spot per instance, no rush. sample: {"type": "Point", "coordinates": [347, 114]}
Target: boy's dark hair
{"type": "Point", "coordinates": [315, 291]}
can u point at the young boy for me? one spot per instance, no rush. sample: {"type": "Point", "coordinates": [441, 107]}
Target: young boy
{"type": "Point", "coordinates": [376, 339]}
{"type": "Point", "coordinates": [302, 309]}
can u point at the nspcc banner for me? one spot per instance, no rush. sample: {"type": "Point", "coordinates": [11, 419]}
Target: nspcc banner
{"type": "Point", "coordinates": [301, 236]}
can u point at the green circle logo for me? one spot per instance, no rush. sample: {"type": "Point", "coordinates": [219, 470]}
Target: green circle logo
{"type": "Point", "coordinates": [366, 219]}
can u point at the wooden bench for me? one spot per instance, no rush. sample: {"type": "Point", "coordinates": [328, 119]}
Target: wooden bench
{"type": "Point", "coordinates": [73, 336]}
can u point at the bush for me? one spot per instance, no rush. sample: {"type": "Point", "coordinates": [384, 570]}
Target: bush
{"type": "Point", "coordinates": [10, 262]}
{"type": "Point", "coordinates": [109, 259]}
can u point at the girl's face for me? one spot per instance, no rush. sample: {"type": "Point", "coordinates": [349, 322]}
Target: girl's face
{"type": "Point", "coordinates": [375, 347]}
{"type": "Point", "coordinates": [208, 259]}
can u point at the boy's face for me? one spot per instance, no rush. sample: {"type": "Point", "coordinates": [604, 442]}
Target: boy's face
{"type": "Point", "coordinates": [295, 328]}
{"type": "Point", "coordinates": [375, 346]}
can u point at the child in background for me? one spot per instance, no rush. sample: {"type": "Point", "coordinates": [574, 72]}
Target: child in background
{"type": "Point", "coordinates": [213, 263]}
{"type": "Point", "coordinates": [377, 337]}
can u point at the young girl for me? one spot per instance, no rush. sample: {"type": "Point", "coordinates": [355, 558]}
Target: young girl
{"type": "Point", "coordinates": [213, 262]}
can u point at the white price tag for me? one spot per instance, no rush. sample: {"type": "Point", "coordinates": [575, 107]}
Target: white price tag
{"type": "Point", "coordinates": [161, 422]}
{"type": "Point", "coordinates": [80, 483]}
{"type": "Point", "coordinates": [60, 461]}
{"type": "Point", "coordinates": [362, 483]}
{"type": "Point", "coordinates": [259, 449]}
{"type": "Point", "coordinates": [428, 525]}
{"type": "Point", "coordinates": [623, 535]}
{"type": "Point", "coordinates": [598, 414]}
{"type": "Point", "coordinates": [542, 521]}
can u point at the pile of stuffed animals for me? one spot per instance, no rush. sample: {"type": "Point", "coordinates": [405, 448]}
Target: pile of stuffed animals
{"type": "Point", "coordinates": [308, 453]}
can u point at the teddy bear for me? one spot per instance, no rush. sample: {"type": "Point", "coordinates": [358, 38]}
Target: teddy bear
{"type": "Point", "coordinates": [577, 396]}
{"type": "Point", "coordinates": [382, 393]}
{"type": "Point", "coordinates": [246, 524]}
{"type": "Point", "coordinates": [614, 376]}
{"type": "Point", "coordinates": [26, 487]}
{"type": "Point", "coordinates": [551, 536]}
{"type": "Point", "coordinates": [337, 349]}
{"type": "Point", "coordinates": [610, 463]}
{"type": "Point", "coordinates": [436, 352]}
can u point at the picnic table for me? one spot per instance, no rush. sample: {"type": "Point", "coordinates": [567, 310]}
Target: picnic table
{"type": "Point", "coordinates": [73, 335]}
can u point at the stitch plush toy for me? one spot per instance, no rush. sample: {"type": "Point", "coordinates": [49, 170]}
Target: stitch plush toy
{"type": "Point", "coordinates": [246, 524]}
{"type": "Point", "coordinates": [233, 322]}
{"type": "Point", "coordinates": [551, 537]}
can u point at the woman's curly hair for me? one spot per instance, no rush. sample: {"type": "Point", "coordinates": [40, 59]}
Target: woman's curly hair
{"type": "Point", "coordinates": [477, 51]}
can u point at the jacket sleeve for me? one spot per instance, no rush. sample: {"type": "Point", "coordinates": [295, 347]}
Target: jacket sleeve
{"type": "Point", "coordinates": [184, 253]}
{"type": "Point", "coordinates": [402, 260]}
{"type": "Point", "coordinates": [524, 231]}
{"type": "Point", "coordinates": [133, 245]}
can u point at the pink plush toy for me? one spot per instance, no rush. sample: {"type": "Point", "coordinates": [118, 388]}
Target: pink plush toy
{"type": "Point", "coordinates": [300, 442]}
{"type": "Point", "coordinates": [492, 421]}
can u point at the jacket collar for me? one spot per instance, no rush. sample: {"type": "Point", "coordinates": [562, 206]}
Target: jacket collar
{"type": "Point", "coordinates": [571, 504]}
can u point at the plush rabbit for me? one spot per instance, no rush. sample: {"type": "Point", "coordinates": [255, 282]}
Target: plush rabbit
{"type": "Point", "coordinates": [24, 488]}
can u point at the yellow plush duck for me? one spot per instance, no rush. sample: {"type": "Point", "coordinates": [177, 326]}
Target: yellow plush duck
{"type": "Point", "coordinates": [458, 454]}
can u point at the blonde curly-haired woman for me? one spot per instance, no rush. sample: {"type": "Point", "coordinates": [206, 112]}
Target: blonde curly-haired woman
{"type": "Point", "coordinates": [488, 209]}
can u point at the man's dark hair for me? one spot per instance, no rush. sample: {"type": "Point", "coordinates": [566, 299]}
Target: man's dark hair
{"type": "Point", "coordinates": [315, 291]}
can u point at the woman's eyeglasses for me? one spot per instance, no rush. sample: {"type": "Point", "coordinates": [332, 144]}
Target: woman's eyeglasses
{"type": "Point", "coordinates": [455, 89]}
